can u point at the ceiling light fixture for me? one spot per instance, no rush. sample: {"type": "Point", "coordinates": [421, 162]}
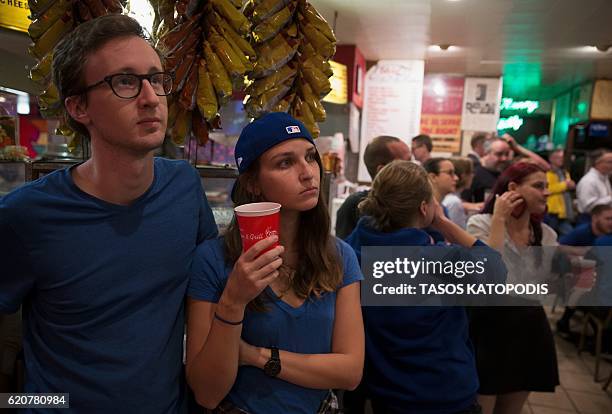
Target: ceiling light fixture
{"type": "Point", "coordinates": [601, 48]}
{"type": "Point", "coordinates": [443, 47]}
{"type": "Point", "coordinates": [23, 104]}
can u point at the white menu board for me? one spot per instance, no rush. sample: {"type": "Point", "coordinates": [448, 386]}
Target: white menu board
{"type": "Point", "coordinates": [392, 103]}
{"type": "Point", "coordinates": [481, 98]}
{"type": "Point", "coordinates": [354, 127]}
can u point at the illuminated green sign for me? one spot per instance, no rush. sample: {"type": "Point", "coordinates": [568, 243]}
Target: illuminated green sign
{"type": "Point", "coordinates": [514, 122]}
{"type": "Point", "coordinates": [509, 104]}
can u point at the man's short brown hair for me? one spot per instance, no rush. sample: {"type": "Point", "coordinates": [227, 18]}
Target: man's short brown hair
{"type": "Point", "coordinates": [600, 208]}
{"type": "Point", "coordinates": [377, 153]}
{"type": "Point", "coordinates": [478, 138]}
{"type": "Point", "coordinates": [463, 167]}
{"type": "Point", "coordinates": [594, 156]}
{"type": "Point", "coordinates": [423, 140]}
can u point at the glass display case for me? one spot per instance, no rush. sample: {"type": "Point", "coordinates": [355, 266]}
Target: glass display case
{"type": "Point", "coordinates": [217, 182]}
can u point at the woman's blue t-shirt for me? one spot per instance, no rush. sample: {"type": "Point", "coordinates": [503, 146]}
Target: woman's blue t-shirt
{"type": "Point", "coordinates": [306, 330]}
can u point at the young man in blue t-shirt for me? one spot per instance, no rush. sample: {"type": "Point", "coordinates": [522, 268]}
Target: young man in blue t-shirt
{"type": "Point", "coordinates": [581, 239]}
{"type": "Point", "coordinates": [603, 286]}
{"type": "Point", "coordinates": [98, 254]}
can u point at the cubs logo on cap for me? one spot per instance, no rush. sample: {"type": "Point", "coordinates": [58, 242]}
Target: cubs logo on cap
{"type": "Point", "coordinates": [264, 133]}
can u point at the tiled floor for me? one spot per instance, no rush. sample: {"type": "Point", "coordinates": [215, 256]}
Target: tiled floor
{"type": "Point", "coordinates": [578, 393]}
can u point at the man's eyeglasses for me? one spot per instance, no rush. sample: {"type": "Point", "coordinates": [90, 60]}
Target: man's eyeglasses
{"type": "Point", "coordinates": [452, 173]}
{"type": "Point", "coordinates": [129, 85]}
{"type": "Point", "coordinates": [502, 154]}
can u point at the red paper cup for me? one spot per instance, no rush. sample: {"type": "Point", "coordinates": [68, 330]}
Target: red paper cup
{"type": "Point", "coordinates": [584, 272]}
{"type": "Point", "coordinates": [258, 221]}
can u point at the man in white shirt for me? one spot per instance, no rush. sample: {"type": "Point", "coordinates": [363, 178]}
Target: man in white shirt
{"type": "Point", "coordinates": [594, 187]}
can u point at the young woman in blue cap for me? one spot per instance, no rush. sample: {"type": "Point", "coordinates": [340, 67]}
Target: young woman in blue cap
{"type": "Point", "coordinates": [274, 332]}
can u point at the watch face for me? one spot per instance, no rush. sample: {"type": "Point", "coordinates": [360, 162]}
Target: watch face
{"type": "Point", "coordinates": [272, 367]}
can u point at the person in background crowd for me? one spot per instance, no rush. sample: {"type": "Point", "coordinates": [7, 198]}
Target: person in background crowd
{"type": "Point", "coordinates": [273, 332]}
{"type": "Point", "coordinates": [585, 234]}
{"type": "Point", "coordinates": [603, 287]}
{"type": "Point", "coordinates": [581, 239]}
{"type": "Point", "coordinates": [598, 300]}
{"type": "Point", "coordinates": [477, 143]}
{"type": "Point", "coordinates": [496, 159]}
{"type": "Point", "coordinates": [421, 148]}
{"type": "Point", "coordinates": [560, 213]}
{"type": "Point", "coordinates": [518, 151]}
{"type": "Point", "coordinates": [443, 178]}
{"type": "Point", "coordinates": [594, 187]}
{"type": "Point", "coordinates": [99, 253]}
{"type": "Point", "coordinates": [499, 153]}
{"type": "Point", "coordinates": [418, 359]}
{"type": "Point", "coordinates": [378, 153]}
{"type": "Point", "coordinates": [456, 208]}
{"type": "Point", "coordinates": [515, 350]}
{"type": "Point", "coordinates": [442, 174]}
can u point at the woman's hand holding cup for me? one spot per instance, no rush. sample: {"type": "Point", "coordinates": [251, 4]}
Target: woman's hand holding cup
{"type": "Point", "coordinates": [253, 271]}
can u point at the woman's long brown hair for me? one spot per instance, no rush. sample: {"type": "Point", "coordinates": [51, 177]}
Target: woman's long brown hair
{"type": "Point", "coordinates": [319, 269]}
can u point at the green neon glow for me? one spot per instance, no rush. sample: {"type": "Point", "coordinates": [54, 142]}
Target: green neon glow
{"type": "Point", "coordinates": [514, 122]}
{"type": "Point", "coordinates": [509, 104]}
{"type": "Point", "coordinates": [523, 76]}
{"type": "Point", "coordinates": [562, 119]}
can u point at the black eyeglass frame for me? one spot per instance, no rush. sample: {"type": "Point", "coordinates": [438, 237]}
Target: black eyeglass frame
{"type": "Point", "coordinates": [109, 80]}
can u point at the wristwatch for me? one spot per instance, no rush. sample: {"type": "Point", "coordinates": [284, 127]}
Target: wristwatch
{"type": "Point", "coordinates": [273, 366]}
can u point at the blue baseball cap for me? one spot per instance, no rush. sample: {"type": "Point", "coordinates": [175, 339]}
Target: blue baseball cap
{"type": "Point", "coordinates": [264, 133]}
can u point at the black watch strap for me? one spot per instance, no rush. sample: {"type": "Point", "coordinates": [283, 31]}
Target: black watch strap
{"type": "Point", "coordinates": [273, 366]}
{"type": "Point", "coordinates": [274, 354]}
